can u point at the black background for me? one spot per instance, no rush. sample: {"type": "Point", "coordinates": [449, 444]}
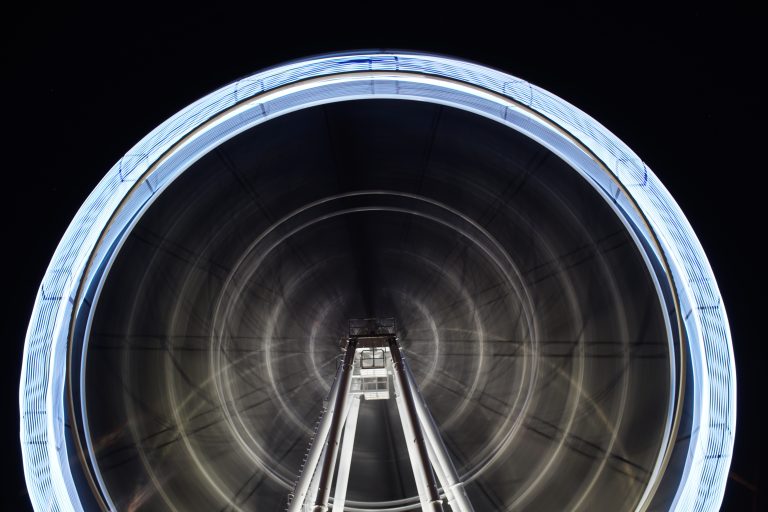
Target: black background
{"type": "Point", "coordinates": [682, 87]}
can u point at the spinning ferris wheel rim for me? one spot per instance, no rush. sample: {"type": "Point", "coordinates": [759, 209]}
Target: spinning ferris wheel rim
{"type": "Point", "coordinates": [628, 186]}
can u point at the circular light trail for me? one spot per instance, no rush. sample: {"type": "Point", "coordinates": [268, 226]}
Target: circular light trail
{"type": "Point", "coordinates": [704, 366]}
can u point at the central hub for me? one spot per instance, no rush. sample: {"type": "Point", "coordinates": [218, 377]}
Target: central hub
{"type": "Point", "coordinates": [373, 366]}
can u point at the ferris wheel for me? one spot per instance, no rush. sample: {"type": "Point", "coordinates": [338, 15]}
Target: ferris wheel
{"type": "Point", "coordinates": [378, 281]}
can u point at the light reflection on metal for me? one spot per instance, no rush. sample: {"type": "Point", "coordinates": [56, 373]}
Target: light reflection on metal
{"type": "Point", "coordinates": [425, 448]}
{"type": "Point", "coordinates": [345, 458]}
{"type": "Point", "coordinates": [414, 432]}
{"type": "Point", "coordinates": [438, 454]}
{"type": "Point", "coordinates": [317, 448]}
{"type": "Point", "coordinates": [334, 434]}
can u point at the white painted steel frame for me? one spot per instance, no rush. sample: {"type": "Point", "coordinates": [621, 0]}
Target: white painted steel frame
{"type": "Point", "coordinates": [438, 457]}
{"type": "Point", "coordinates": [409, 433]}
{"type": "Point", "coordinates": [438, 453]}
{"type": "Point", "coordinates": [140, 176]}
{"type": "Point", "coordinates": [345, 458]}
{"type": "Point", "coordinates": [308, 481]}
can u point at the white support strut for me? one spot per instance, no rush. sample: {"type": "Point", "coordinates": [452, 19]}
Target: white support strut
{"type": "Point", "coordinates": [345, 458]}
{"type": "Point", "coordinates": [338, 417]}
{"type": "Point", "coordinates": [314, 485]}
{"type": "Point", "coordinates": [334, 443]}
{"type": "Point", "coordinates": [317, 448]}
{"type": "Point", "coordinates": [441, 460]}
{"type": "Point", "coordinates": [409, 418]}
{"type": "Point", "coordinates": [410, 435]}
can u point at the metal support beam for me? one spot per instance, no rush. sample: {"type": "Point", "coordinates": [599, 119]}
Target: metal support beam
{"type": "Point", "coordinates": [419, 456]}
{"type": "Point", "coordinates": [318, 445]}
{"type": "Point", "coordinates": [334, 433]}
{"type": "Point", "coordinates": [312, 492]}
{"type": "Point", "coordinates": [454, 489]}
{"type": "Point", "coordinates": [410, 434]}
{"type": "Point", "coordinates": [345, 459]}
{"type": "Point", "coordinates": [441, 477]}
{"type": "Point", "coordinates": [425, 447]}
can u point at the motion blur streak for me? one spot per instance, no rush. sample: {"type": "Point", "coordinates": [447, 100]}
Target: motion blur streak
{"type": "Point", "coordinates": [561, 320]}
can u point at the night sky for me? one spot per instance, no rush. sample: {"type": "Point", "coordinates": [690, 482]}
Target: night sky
{"type": "Point", "coordinates": [84, 84]}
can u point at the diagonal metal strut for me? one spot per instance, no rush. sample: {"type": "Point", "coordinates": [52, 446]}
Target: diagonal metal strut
{"type": "Point", "coordinates": [365, 366]}
{"type": "Point", "coordinates": [422, 470]}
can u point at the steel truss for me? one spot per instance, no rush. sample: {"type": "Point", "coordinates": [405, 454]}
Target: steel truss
{"type": "Point", "coordinates": [364, 375]}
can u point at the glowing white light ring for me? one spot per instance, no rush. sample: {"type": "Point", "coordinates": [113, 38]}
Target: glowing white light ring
{"type": "Point", "coordinates": [158, 159]}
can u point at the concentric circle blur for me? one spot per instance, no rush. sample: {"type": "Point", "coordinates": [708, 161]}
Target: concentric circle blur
{"type": "Point", "coordinates": [560, 316]}
{"type": "Point", "coordinates": [529, 316]}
